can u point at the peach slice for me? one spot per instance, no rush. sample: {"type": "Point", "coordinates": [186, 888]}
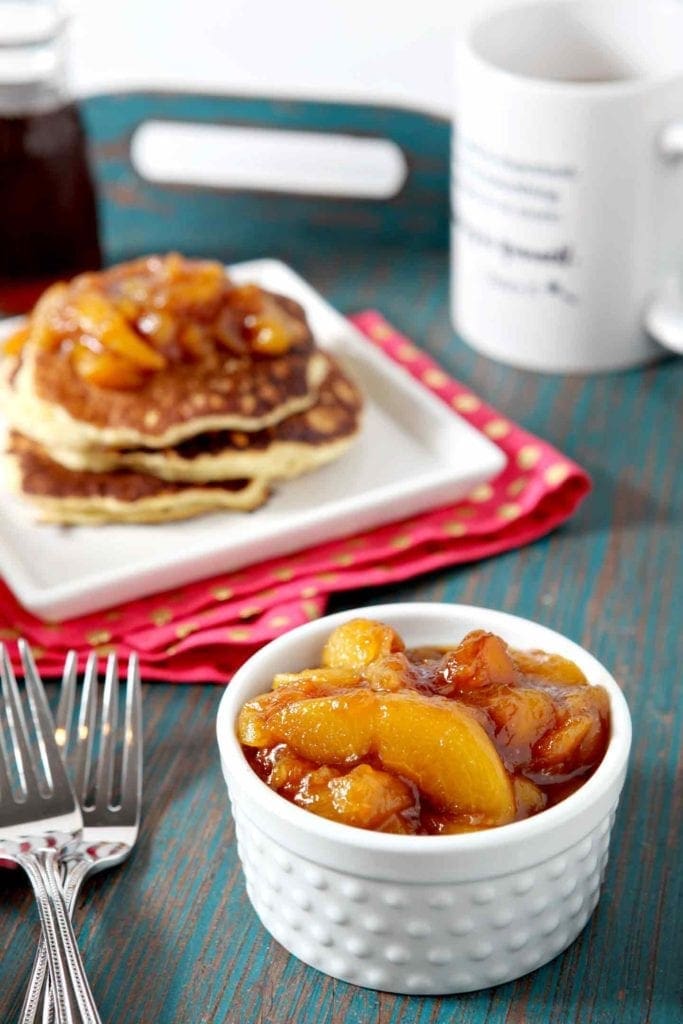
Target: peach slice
{"type": "Point", "coordinates": [390, 673]}
{"type": "Point", "coordinates": [159, 327]}
{"type": "Point", "coordinates": [106, 370]}
{"type": "Point", "coordinates": [268, 337]}
{"type": "Point", "coordinates": [363, 797]}
{"type": "Point", "coordinates": [560, 746]}
{"type": "Point", "coordinates": [437, 745]}
{"type": "Point", "coordinates": [581, 737]}
{"type": "Point", "coordinates": [480, 659]}
{"type": "Point", "coordinates": [549, 668]}
{"type": "Point", "coordinates": [252, 725]}
{"type": "Point", "coordinates": [437, 824]}
{"type": "Point", "coordinates": [358, 642]}
{"type": "Point", "coordinates": [45, 322]}
{"type": "Point", "coordinates": [255, 723]}
{"type": "Point", "coordinates": [195, 340]}
{"type": "Point", "coordinates": [323, 678]}
{"type": "Point", "coordinates": [98, 318]}
{"type": "Point", "coordinates": [329, 730]}
{"type": "Point", "coordinates": [14, 345]}
{"type": "Point", "coordinates": [522, 715]}
{"type": "Point", "coordinates": [282, 769]}
{"type": "Point", "coordinates": [199, 288]}
{"type": "Point", "coordinates": [440, 747]}
{"type": "Point", "coordinates": [529, 798]}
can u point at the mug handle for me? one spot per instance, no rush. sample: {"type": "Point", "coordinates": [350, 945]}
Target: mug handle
{"type": "Point", "coordinates": [664, 316]}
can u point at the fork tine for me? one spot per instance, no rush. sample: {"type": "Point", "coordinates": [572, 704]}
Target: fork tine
{"type": "Point", "coordinates": [67, 695]}
{"type": "Point", "coordinates": [17, 725]}
{"type": "Point", "coordinates": [105, 763]}
{"type": "Point", "coordinates": [131, 771]}
{"type": "Point", "coordinates": [87, 715]}
{"type": "Point", "coordinates": [5, 782]}
{"type": "Point", "coordinates": [42, 719]}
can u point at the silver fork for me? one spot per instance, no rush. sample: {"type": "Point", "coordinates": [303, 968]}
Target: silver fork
{"type": "Point", "coordinates": [109, 831]}
{"type": "Point", "coordinates": [40, 822]}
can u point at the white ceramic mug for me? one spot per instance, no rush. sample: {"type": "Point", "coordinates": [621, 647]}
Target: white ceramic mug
{"type": "Point", "coordinates": [567, 243]}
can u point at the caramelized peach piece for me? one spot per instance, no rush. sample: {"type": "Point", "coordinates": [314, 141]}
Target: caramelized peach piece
{"type": "Point", "coordinates": [13, 345]}
{"type": "Point", "coordinates": [106, 370]}
{"type": "Point", "coordinates": [282, 769]}
{"type": "Point", "coordinates": [227, 331]}
{"type": "Point", "coordinates": [194, 340]}
{"type": "Point", "coordinates": [390, 673]}
{"type": "Point", "coordinates": [292, 328]}
{"type": "Point", "coordinates": [128, 309]}
{"type": "Point", "coordinates": [159, 326]}
{"type": "Point", "coordinates": [200, 287]}
{"type": "Point", "coordinates": [436, 824]}
{"type": "Point", "coordinates": [252, 725]}
{"type": "Point", "coordinates": [132, 292]}
{"type": "Point", "coordinates": [246, 299]}
{"type": "Point", "coordinates": [480, 659]}
{"type": "Point", "coordinates": [313, 791]}
{"type": "Point", "coordinates": [581, 738]}
{"type": "Point", "coordinates": [440, 747]}
{"type": "Point", "coordinates": [399, 825]}
{"type": "Point", "coordinates": [325, 678]}
{"type": "Point", "coordinates": [369, 798]}
{"type": "Point", "coordinates": [46, 319]}
{"type": "Point", "coordinates": [268, 336]}
{"type": "Point", "coordinates": [549, 668]}
{"type": "Point", "coordinates": [521, 715]}
{"type": "Point", "coordinates": [363, 797]}
{"type": "Point", "coordinates": [170, 267]}
{"type": "Point", "coordinates": [562, 744]}
{"type": "Point", "coordinates": [529, 798]}
{"type": "Point", "coordinates": [357, 642]}
{"type": "Point", "coordinates": [253, 728]}
{"type": "Point", "coordinates": [98, 318]}
{"type": "Point", "coordinates": [329, 730]}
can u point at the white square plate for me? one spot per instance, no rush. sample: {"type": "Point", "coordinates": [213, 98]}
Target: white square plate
{"type": "Point", "coordinates": [413, 454]}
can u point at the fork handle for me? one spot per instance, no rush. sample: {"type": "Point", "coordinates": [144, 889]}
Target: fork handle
{"type": "Point", "coordinates": [38, 1001]}
{"type": "Point", "coordinates": [74, 1003]}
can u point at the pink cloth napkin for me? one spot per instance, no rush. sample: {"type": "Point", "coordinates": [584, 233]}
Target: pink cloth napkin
{"type": "Point", "coordinates": [204, 631]}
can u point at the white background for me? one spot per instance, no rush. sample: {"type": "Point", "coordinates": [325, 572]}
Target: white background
{"type": "Point", "coordinates": [397, 51]}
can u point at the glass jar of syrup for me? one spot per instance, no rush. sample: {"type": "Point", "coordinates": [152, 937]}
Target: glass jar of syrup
{"type": "Point", "coordinates": [48, 215]}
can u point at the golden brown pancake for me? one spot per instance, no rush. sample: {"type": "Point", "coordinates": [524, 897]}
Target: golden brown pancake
{"type": "Point", "coordinates": [300, 443]}
{"type": "Point", "coordinates": [124, 496]}
{"type": "Point", "coordinates": [160, 389]}
{"type": "Point", "coordinates": [156, 350]}
{"type": "Point", "coordinates": [49, 402]}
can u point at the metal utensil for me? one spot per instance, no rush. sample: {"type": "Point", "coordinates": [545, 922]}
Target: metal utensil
{"type": "Point", "coordinates": [40, 822]}
{"type": "Point", "coordinates": [110, 829]}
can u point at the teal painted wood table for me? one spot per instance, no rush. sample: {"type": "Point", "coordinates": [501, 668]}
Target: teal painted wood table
{"type": "Point", "coordinates": [171, 937]}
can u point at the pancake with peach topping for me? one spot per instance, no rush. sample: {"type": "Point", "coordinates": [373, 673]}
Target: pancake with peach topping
{"type": "Point", "coordinates": [296, 445]}
{"type": "Point", "coordinates": [150, 353]}
{"type": "Point", "coordinates": [63, 496]}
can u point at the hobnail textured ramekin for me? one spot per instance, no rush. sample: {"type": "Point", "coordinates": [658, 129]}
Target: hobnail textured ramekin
{"type": "Point", "coordinates": [421, 914]}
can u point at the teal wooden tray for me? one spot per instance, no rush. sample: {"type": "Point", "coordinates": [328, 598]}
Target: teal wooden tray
{"type": "Point", "coordinates": [141, 216]}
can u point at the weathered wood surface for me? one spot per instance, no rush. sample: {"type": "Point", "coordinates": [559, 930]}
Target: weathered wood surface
{"type": "Point", "coordinates": [171, 937]}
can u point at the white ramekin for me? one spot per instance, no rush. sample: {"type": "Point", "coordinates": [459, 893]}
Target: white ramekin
{"type": "Point", "coordinates": [421, 914]}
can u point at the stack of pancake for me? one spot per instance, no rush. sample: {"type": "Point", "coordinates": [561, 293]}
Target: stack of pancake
{"type": "Point", "coordinates": [159, 390]}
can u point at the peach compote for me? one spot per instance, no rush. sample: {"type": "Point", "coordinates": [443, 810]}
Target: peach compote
{"type": "Point", "coordinates": [118, 326]}
{"type": "Point", "coordinates": [428, 741]}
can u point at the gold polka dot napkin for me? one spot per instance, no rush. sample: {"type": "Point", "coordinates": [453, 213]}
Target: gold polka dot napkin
{"type": "Point", "coordinates": [204, 631]}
